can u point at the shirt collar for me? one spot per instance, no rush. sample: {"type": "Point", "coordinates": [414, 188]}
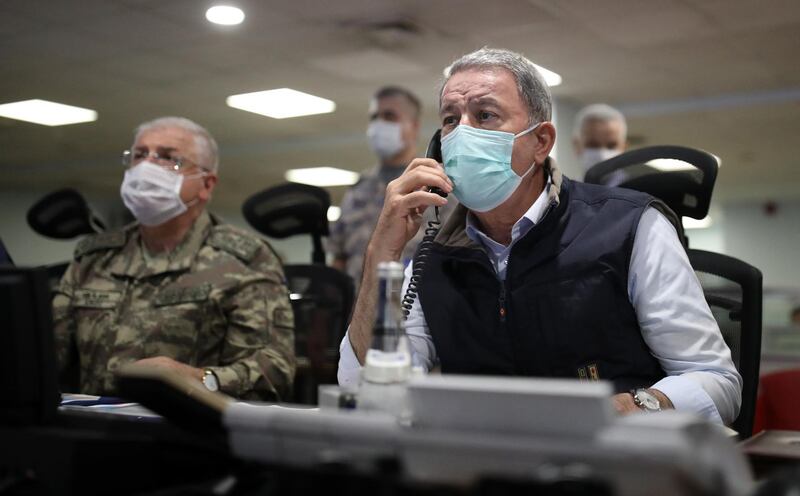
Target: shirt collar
{"type": "Point", "coordinates": [521, 227]}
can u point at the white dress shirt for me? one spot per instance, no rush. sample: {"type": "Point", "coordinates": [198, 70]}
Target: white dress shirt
{"type": "Point", "coordinates": [675, 320]}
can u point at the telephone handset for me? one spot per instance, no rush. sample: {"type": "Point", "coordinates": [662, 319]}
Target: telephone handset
{"type": "Point", "coordinates": [435, 152]}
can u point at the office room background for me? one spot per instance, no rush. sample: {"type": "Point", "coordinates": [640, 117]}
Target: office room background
{"type": "Point", "coordinates": [720, 76]}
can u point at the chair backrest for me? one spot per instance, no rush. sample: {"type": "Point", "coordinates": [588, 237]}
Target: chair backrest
{"type": "Point", "coordinates": [686, 192]}
{"type": "Point", "coordinates": [733, 290]}
{"type": "Point", "coordinates": [289, 209]}
{"type": "Point", "coordinates": [63, 214]}
{"type": "Point", "coordinates": [322, 298]}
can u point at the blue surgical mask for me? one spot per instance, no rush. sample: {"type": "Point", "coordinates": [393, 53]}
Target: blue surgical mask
{"type": "Point", "coordinates": [478, 161]}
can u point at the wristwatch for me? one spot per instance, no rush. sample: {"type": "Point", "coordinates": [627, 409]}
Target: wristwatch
{"type": "Point", "coordinates": [645, 400]}
{"type": "Point", "coordinates": [210, 380]}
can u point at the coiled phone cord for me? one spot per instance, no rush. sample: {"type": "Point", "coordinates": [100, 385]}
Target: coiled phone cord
{"type": "Point", "coordinates": [419, 263]}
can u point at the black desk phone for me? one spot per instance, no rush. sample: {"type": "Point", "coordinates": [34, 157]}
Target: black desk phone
{"type": "Point", "coordinates": [435, 152]}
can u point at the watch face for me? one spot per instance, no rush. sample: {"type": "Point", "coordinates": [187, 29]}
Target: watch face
{"type": "Point", "coordinates": [647, 400]}
{"type": "Point", "coordinates": [210, 381]}
{"type": "Point", "coordinates": [650, 403]}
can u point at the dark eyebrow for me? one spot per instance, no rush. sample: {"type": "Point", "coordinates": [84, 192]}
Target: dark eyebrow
{"type": "Point", "coordinates": [484, 100]}
{"type": "Point", "coordinates": [447, 108]}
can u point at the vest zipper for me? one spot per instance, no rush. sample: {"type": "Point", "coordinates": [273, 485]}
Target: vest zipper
{"type": "Point", "coordinates": [502, 302]}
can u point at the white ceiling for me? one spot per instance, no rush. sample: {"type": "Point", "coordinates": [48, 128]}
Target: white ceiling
{"type": "Point", "coordinates": [722, 75]}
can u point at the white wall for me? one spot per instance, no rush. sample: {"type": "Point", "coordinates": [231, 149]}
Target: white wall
{"type": "Point", "coordinates": [769, 242]}
{"type": "Point", "coordinates": [564, 112]}
{"type": "Point", "coordinates": [25, 246]}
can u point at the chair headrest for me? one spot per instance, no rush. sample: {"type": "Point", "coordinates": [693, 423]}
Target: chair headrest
{"type": "Point", "coordinates": [686, 192]}
{"type": "Point", "coordinates": [63, 214]}
{"type": "Point", "coordinates": [288, 209]}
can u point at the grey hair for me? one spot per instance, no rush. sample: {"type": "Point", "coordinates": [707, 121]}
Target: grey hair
{"type": "Point", "coordinates": [530, 83]}
{"type": "Point", "coordinates": [598, 112]}
{"type": "Point", "coordinates": [205, 144]}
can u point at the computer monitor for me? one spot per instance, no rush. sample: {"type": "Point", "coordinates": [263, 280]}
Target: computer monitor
{"type": "Point", "coordinates": [28, 376]}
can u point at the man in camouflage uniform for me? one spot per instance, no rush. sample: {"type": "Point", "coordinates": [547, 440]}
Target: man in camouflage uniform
{"type": "Point", "coordinates": [189, 293]}
{"type": "Point", "coordinates": [394, 115]}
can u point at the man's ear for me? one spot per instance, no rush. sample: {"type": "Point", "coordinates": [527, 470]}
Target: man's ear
{"type": "Point", "coordinates": [209, 183]}
{"type": "Point", "coordinates": [545, 141]}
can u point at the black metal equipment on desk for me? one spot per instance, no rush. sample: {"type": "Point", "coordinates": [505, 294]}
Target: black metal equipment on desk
{"type": "Point", "coordinates": [47, 451]}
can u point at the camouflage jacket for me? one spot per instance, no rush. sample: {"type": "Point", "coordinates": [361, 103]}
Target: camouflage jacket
{"type": "Point", "coordinates": [217, 301]}
{"type": "Point", "coordinates": [361, 207]}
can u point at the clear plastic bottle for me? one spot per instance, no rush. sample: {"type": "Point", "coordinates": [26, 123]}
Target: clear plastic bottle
{"type": "Point", "coordinates": [387, 366]}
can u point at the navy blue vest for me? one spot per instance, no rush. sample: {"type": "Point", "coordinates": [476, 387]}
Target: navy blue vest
{"type": "Point", "coordinates": [563, 310]}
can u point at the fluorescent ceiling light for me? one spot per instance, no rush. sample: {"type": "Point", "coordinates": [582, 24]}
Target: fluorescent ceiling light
{"type": "Point", "coordinates": [334, 213]}
{"type": "Point", "coordinates": [47, 113]}
{"type": "Point", "coordinates": [322, 176]}
{"type": "Point", "coordinates": [225, 15]}
{"type": "Point", "coordinates": [689, 223]}
{"type": "Point", "coordinates": [281, 103]}
{"type": "Point", "coordinates": [550, 77]}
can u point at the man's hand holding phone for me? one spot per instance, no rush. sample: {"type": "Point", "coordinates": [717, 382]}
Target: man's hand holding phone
{"type": "Point", "coordinates": [407, 198]}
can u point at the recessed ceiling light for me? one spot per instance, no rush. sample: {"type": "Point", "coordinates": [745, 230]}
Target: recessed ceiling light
{"type": "Point", "coordinates": [281, 103]}
{"type": "Point", "coordinates": [225, 14]}
{"type": "Point", "coordinates": [334, 213]}
{"type": "Point", "coordinates": [322, 176]}
{"type": "Point", "coordinates": [690, 223]}
{"type": "Point", "coordinates": [46, 113]}
{"type": "Point", "coordinates": [550, 77]}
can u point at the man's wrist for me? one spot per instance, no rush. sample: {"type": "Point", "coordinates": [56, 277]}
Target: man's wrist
{"type": "Point", "coordinates": [377, 254]}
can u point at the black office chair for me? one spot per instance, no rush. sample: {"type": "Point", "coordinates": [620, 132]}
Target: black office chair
{"type": "Point", "coordinates": [322, 297]}
{"type": "Point", "coordinates": [63, 214]}
{"type": "Point", "coordinates": [733, 288]}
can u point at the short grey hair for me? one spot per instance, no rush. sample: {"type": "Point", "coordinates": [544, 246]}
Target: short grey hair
{"type": "Point", "coordinates": [530, 83]}
{"type": "Point", "coordinates": [601, 112]}
{"type": "Point", "coordinates": [205, 144]}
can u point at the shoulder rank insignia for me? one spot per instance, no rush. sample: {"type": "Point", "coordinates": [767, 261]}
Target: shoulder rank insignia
{"type": "Point", "coordinates": [103, 241]}
{"type": "Point", "coordinates": [240, 246]}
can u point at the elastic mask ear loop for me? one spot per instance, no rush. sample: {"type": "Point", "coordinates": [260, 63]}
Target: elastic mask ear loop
{"type": "Point", "coordinates": [194, 201]}
{"type": "Point", "coordinates": [523, 133]}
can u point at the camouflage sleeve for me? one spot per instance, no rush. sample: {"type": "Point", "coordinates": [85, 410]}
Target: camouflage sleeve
{"type": "Point", "coordinates": [257, 360]}
{"type": "Point", "coordinates": [64, 330]}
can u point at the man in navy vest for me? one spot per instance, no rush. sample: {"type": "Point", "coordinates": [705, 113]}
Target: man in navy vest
{"type": "Point", "coordinates": [536, 275]}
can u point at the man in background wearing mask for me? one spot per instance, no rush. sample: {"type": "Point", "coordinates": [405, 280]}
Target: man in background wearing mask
{"type": "Point", "coordinates": [600, 133]}
{"type": "Point", "coordinates": [394, 121]}
{"type": "Point", "coordinates": [178, 289]}
{"type": "Point", "coordinates": [537, 275]}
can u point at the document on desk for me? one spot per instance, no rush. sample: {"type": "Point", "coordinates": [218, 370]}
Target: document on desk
{"type": "Point", "coordinates": [107, 404]}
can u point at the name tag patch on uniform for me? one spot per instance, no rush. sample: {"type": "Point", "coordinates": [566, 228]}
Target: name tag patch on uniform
{"type": "Point", "coordinates": [93, 298]}
{"type": "Point", "coordinates": [176, 296]}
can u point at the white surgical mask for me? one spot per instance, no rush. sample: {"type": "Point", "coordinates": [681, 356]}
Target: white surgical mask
{"type": "Point", "coordinates": [592, 156]}
{"type": "Point", "coordinates": [153, 194]}
{"type": "Point", "coordinates": [385, 138]}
